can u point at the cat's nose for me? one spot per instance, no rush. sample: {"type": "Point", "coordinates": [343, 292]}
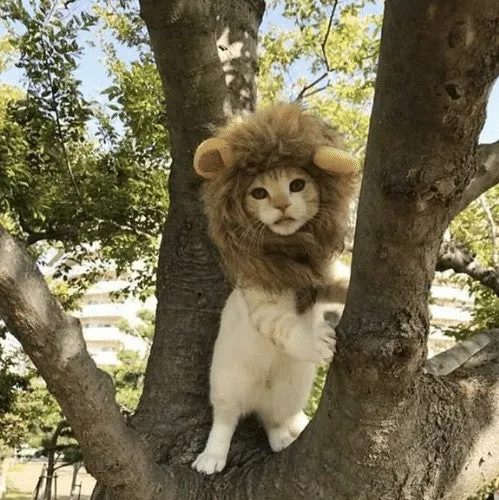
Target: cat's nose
{"type": "Point", "coordinates": [282, 204]}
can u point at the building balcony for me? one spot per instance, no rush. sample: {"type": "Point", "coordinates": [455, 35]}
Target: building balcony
{"type": "Point", "coordinates": [105, 357]}
{"type": "Point", "coordinates": [110, 310]}
{"type": "Point", "coordinates": [448, 316]}
{"type": "Point", "coordinates": [105, 334]}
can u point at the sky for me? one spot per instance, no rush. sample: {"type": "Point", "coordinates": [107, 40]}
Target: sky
{"type": "Point", "coordinates": [93, 74]}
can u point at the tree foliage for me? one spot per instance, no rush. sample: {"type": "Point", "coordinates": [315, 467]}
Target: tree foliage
{"type": "Point", "coordinates": [475, 228]}
{"type": "Point", "coordinates": [32, 414]}
{"type": "Point", "coordinates": [74, 172]}
{"type": "Point", "coordinates": [332, 44]}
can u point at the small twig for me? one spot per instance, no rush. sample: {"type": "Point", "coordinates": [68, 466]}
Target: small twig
{"type": "Point", "coordinates": [125, 228]}
{"type": "Point", "coordinates": [324, 42]}
{"type": "Point", "coordinates": [303, 91]}
{"type": "Point", "coordinates": [493, 228]}
{"type": "Point", "coordinates": [360, 150]}
{"type": "Point", "coordinates": [303, 94]}
{"type": "Point", "coordinates": [64, 464]}
{"type": "Point", "coordinates": [60, 133]}
{"type": "Point", "coordinates": [50, 12]}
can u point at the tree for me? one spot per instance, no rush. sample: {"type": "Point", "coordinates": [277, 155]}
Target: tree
{"type": "Point", "coordinates": [384, 428]}
{"type": "Point", "coordinates": [13, 382]}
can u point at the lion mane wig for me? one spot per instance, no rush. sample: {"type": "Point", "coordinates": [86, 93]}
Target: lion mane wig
{"type": "Point", "coordinates": [279, 136]}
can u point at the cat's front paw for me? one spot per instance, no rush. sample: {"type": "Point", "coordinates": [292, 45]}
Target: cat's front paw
{"type": "Point", "coordinates": [313, 344]}
{"type": "Point", "coordinates": [209, 463]}
{"type": "Point", "coordinates": [325, 343]}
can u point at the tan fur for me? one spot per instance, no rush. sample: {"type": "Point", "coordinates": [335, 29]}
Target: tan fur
{"type": "Point", "coordinates": [279, 136]}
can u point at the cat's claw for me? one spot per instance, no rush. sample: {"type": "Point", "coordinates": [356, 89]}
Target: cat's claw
{"type": "Point", "coordinates": [209, 463]}
{"type": "Point", "coordinates": [325, 342]}
{"type": "Point", "coordinates": [316, 345]}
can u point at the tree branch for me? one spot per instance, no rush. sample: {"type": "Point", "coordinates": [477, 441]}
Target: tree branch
{"type": "Point", "coordinates": [50, 234]}
{"type": "Point", "coordinates": [452, 257]}
{"type": "Point", "coordinates": [487, 175]}
{"type": "Point", "coordinates": [303, 92]}
{"type": "Point", "coordinates": [114, 453]}
{"type": "Point", "coordinates": [451, 359]}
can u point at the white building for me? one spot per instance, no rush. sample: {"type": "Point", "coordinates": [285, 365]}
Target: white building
{"type": "Point", "coordinates": [101, 316]}
{"type": "Point", "coordinates": [450, 306]}
{"type": "Point", "coordinates": [101, 312]}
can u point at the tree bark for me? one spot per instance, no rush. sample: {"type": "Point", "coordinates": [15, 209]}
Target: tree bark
{"type": "Point", "coordinates": [114, 453]}
{"type": "Point", "coordinates": [437, 64]}
{"type": "Point", "coordinates": [384, 428]}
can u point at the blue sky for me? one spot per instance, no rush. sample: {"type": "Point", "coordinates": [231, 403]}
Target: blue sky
{"type": "Point", "coordinates": [93, 74]}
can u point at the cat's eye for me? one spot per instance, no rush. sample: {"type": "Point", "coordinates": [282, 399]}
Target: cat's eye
{"type": "Point", "coordinates": [259, 193]}
{"type": "Point", "coordinates": [296, 185]}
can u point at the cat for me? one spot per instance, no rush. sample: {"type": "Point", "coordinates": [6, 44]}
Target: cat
{"type": "Point", "coordinates": [277, 199]}
{"type": "Point", "coordinates": [266, 353]}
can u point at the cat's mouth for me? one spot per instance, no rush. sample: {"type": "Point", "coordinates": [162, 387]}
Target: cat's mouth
{"type": "Point", "coordinates": [284, 220]}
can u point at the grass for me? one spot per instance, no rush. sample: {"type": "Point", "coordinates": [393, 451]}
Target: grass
{"type": "Point", "coordinates": [16, 467]}
{"type": "Point", "coordinates": [17, 495]}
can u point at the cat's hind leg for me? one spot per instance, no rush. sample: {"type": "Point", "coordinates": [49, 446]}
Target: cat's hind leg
{"type": "Point", "coordinates": [297, 423]}
{"type": "Point", "coordinates": [281, 436]}
{"type": "Point", "coordinates": [288, 391]}
{"type": "Point", "coordinates": [214, 456]}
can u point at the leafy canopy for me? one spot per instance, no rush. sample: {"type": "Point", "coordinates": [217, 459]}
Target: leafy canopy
{"type": "Point", "coordinates": [75, 172]}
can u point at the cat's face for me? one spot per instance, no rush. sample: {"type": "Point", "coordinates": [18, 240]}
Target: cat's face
{"type": "Point", "coordinates": [283, 199]}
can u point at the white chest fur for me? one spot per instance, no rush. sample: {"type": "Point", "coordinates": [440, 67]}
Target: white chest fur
{"type": "Point", "coordinates": [264, 362]}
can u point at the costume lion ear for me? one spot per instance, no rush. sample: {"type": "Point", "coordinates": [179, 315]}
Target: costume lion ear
{"type": "Point", "coordinates": [212, 156]}
{"type": "Point", "coordinates": [335, 161]}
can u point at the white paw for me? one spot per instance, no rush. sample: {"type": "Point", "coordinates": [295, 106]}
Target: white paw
{"type": "Point", "coordinates": [313, 344]}
{"type": "Point", "coordinates": [325, 343]}
{"type": "Point", "coordinates": [279, 438]}
{"type": "Point", "coordinates": [208, 463]}
{"type": "Point", "coordinates": [297, 423]}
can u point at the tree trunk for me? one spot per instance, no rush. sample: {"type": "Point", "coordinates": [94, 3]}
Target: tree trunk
{"type": "Point", "coordinates": [206, 54]}
{"type": "Point", "coordinates": [74, 477]}
{"type": "Point", "coordinates": [384, 429]}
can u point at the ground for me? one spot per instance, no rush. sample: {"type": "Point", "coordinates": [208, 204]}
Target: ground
{"type": "Point", "coordinates": [22, 479]}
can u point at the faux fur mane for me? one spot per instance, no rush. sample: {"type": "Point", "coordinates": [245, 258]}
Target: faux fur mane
{"type": "Point", "coordinates": [251, 254]}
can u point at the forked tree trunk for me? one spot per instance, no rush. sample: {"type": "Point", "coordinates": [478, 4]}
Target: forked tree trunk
{"type": "Point", "coordinates": [384, 429]}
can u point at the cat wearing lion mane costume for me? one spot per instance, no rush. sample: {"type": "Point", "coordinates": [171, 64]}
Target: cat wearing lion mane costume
{"type": "Point", "coordinates": [277, 194]}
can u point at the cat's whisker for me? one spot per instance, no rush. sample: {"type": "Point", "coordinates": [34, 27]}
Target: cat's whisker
{"type": "Point", "coordinates": [253, 226]}
{"type": "Point", "coordinates": [260, 235]}
{"type": "Point", "coordinates": [253, 229]}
